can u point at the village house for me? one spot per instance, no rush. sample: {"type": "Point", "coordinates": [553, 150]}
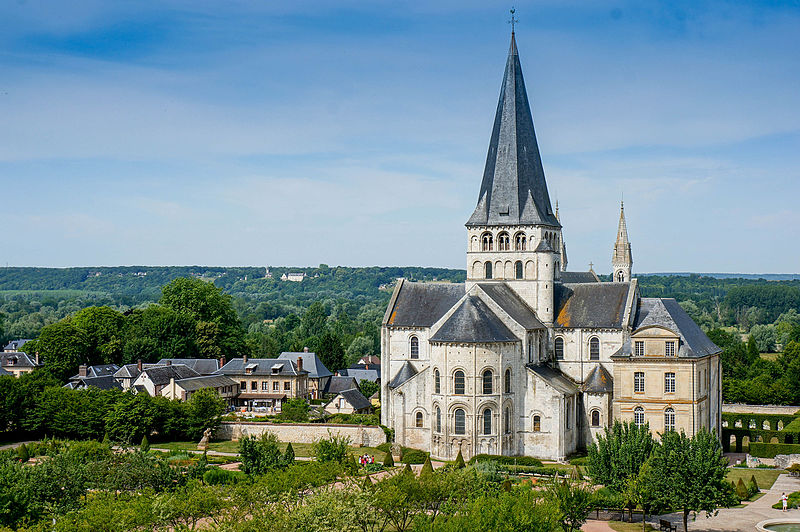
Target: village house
{"type": "Point", "coordinates": [318, 374]}
{"type": "Point", "coordinates": [265, 383]}
{"type": "Point", "coordinates": [16, 362]}
{"type": "Point", "coordinates": [339, 383]}
{"type": "Point", "coordinates": [349, 401]}
{"type": "Point", "coordinates": [153, 380]}
{"type": "Point", "coordinates": [100, 376]}
{"type": "Point", "coordinates": [182, 389]}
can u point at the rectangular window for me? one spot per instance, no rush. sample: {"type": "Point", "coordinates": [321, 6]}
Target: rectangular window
{"type": "Point", "coordinates": [276, 386]}
{"type": "Point", "coordinates": [254, 386]}
{"type": "Point", "coordinates": [566, 414]}
{"type": "Point", "coordinates": [287, 386]}
{"type": "Point", "coordinates": [669, 349]}
{"type": "Point", "coordinates": [243, 386]}
{"type": "Point", "coordinates": [638, 348]}
{"type": "Point", "coordinates": [669, 382]}
{"type": "Point", "coordinates": [265, 386]}
{"type": "Point", "coordinates": [638, 382]}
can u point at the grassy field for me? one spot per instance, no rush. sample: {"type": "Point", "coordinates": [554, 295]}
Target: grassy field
{"type": "Point", "coordinates": [629, 527]}
{"type": "Point", "coordinates": [765, 478]}
{"type": "Point", "coordinates": [302, 450]}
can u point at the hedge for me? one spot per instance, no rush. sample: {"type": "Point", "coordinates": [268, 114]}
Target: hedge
{"type": "Point", "coordinates": [534, 470]}
{"type": "Point", "coordinates": [506, 460]}
{"type": "Point", "coordinates": [769, 450]}
{"type": "Point", "coordinates": [414, 456]}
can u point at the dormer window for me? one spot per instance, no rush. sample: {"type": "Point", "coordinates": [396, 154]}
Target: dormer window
{"type": "Point", "coordinates": [638, 348]}
{"type": "Point", "coordinates": [669, 348]}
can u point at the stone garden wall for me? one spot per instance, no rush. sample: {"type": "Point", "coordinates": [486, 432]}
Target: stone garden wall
{"type": "Point", "coordinates": [363, 435]}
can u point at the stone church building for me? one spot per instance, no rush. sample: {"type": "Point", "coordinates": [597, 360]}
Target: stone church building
{"type": "Point", "coordinates": [526, 357]}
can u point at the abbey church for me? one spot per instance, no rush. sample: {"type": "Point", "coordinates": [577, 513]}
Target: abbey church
{"type": "Point", "coordinates": [526, 357]}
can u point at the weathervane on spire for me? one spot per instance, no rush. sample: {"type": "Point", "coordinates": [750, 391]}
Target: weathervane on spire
{"type": "Point", "coordinates": [513, 20]}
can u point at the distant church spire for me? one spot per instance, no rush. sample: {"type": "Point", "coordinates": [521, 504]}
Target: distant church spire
{"type": "Point", "coordinates": [513, 190]}
{"type": "Point", "coordinates": [622, 259]}
{"type": "Point", "coordinates": [563, 248]}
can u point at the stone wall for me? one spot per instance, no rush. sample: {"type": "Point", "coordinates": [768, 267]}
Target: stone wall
{"type": "Point", "coordinates": [361, 435]}
{"type": "Point", "coordinates": [784, 461]}
{"type": "Point", "coordinates": [759, 409]}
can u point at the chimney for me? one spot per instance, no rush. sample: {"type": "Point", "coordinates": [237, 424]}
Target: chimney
{"type": "Point", "coordinates": [169, 362]}
{"type": "Point", "coordinates": [300, 363]}
{"type": "Point", "coordinates": [221, 361]}
{"type": "Point", "coordinates": [37, 358]}
{"type": "Point", "coordinates": [305, 350]}
{"type": "Point", "coordinates": [139, 364]}
{"type": "Point", "coordinates": [366, 366]}
{"type": "Point", "coordinates": [83, 370]}
{"type": "Point", "coordinates": [244, 359]}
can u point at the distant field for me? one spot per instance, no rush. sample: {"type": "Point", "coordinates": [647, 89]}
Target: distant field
{"type": "Point", "coordinates": [66, 293]}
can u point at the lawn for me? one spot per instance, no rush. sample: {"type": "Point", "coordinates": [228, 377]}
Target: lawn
{"type": "Point", "coordinates": [765, 478]}
{"type": "Point", "coordinates": [302, 450]}
{"type": "Point", "coordinates": [620, 526]}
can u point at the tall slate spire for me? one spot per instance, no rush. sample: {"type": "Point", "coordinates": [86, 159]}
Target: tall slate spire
{"type": "Point", "coordinates": [513, 190]}
{"type": "Point", "coordinates": [622, 259]}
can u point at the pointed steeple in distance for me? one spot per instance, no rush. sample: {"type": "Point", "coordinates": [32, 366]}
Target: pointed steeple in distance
{"type": "Point", "coordinates": [563, 249]}
{"type": "Point", "coordinates": [513, 190]}
{"type": "Point", "coordinates": [622, 260]}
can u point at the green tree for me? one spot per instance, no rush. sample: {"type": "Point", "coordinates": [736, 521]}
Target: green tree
{"type": "Point", "coordinates": [103, 328]}
{"type": "Point", "coordinates": [295, 410]}
{"type": "Point", "coordinates": [63, 347]}
{"type": "Point", "coordinates": [22, 452]}
{"type": "Point", "coordinates": [388, 460]}
{"type": "Point", "coordinates": [573, 501]}
{"type": "Point", "coordinates": [314, 321]}
{"type": "Point", "coordinates": [130, 419]}
{"type": "Point", "coordinates": [288, 454]}
{"type": "Point", "coordinates": [460, 460]}
{"type": "Point", "coordinates": [260, 455]}
{"type": "Point", "coordinates": [639, 492]}
{"type": "Point", "coordinates": [619, 453]}
{"type": "Point", "coordinates": [204, 411]}
{"type": "Point", "coordinates": [368, 388]}
{"type": "Point", "coordinates": [689, 473]}
{"type": "Point", "coordinates": [330, 351]}
{"type": "Point", "coordinates": [361, 346]}
{"type": "Point", "coordinates": [145, 445]}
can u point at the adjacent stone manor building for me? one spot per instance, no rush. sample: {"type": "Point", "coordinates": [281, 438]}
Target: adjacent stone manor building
{"type": "Point", "coordinates": [526, 357]}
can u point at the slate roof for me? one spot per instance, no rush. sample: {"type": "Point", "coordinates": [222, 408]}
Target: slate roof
{"type": "Point", "coordinates": [14, 345]}
{"type": "Point", "coordinates": [104, 382]}
{"type": "Point", "coordinates": [203, 366]}
{"type": "Point", "coordinates": [591, 305]}
{"type": "Point", "coordinates": [422, 304]}
{"type": "Point", "coordinates": [205, 381]}
{"type": "Point", "coordinates": [98, 371]}
{"type": "Point", "coordinates": [372, 374]}
{"type": "Point", "coordinates": [4, 372]}
{"type": "Point", "coordinates": [263, 366]}
{"type": "Point", "coordinates": [473, 323]}
{"type": "Point", "coordinates": [160, 375]}
{"type": "Point", "coordinates": [336, 384]}
{"type": "Point", "coordinates": [668, 313]}
{"type": "Point", "coordinates": [311, 363]}
{"type": "Point", "coordinates": [407, 370]}
{"type": "Point", "coordinates": [555, 378]}
{"type": "Point", "coordinates": [17, 360]}
{"type": "Point", "coordinates": [513, 190]}
{"type": "Point", "coordinates": [579, 277]}
{"type": "Point", "coordinates": [598, 381]}
{"type": "Point", "coordinates": [355, 398]}
{"type": "Point", "coordinates": [514, 306]}
{"type": "Point", "coordinates": [131, 371]}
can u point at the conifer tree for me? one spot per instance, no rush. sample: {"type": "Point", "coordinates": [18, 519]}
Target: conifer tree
{"type": "Point", "coordinates": [288, 455]}
{"type": "Point", "coordinates": [388, 460]}
{"type": "Point", "coordinates": [145, 445]}
{"type": "Point", "coordinates": [23, 454]}
{"type": "Point", "coordinates": [427, 468]}
{"type": "Point", "coordinates": [460, 461]}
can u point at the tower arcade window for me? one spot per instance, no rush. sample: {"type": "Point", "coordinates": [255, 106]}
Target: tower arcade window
{"type": "Point", "coordinates": [594, 348]}
{"type": "Point", "coordinates": [503, 242]}
{"type": "Point", "coordinates": [487, 242]}
{"type": "Point", "coordinates": [507, 382]}
{"type": "Point", "coordinates": [638, 382]}
{"type": "Point", "coordinates": [518, 270]}
{"type": "Point", "coordinates": [507, 420]}
{"type": "Point", "coordinates": [669, 419]}
{"type": "Point", "coordinates": [437, 382]}
{"type": "Point", "coordinates": [537, 424]}
{"type": "Point", "coordinates": [487, 421]}
{"type": "Point", "coordinates": [669, 382]}
{"type": "Point", "coordinates": [487, 270]}
{"type": "Point", "coordinates": [458, 383]}
{"type": "Point", "coordinates": [638, 416]}
{"type": "Point", "coordinates": [438, 420]}
{"type": "Point", "coordinates": [414, 347]}
{"type": "Point", "coordinates": [559, 348]}
{"type": "Point", "coordinates": [418, 420]}
{"type": "Point", "coordinates": [519, 242]}
{"type": "Point", "coordinates": [460, 421]}
{"type": "Point", "coordinates": [487, 382]}
{"type": "Point", "coordinates": [620, 276]}
{"type": "Point", "coordinates": [595, 418]}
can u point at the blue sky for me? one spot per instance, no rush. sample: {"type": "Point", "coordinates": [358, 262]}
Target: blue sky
{"type": "Point", "coordinates": [355, 133]}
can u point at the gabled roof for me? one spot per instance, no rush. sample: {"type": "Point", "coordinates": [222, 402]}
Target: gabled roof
{"type": "Point", "coordinates": [579, 277]}
{"type": "Point", "coordinates": [14, 345]}
{"type": "Point", "coordinates": [598, 381]}
{"type": "Point", "coordinates": [355, 398]}
{"type": "Point", "coordinates": [311, 363]}
{"type": "Point", "coordinates": [407, 370]}
{"type": "Point", "coordinates": [422, 304]}
{"type": "Point", "coordinates": [591, 305]}
{"type": "Point", "coordinates": [260, 366]}
{"type": "Point", "coordinates": [372, 374]}
{"type": "Point", "coordinates": [512, 304]}
{"type": "Point", "coordinates": [668, 313]}
{"type": "Point", "coordinates": [338, 383]}
{"type": "Point", "coordinates": [205, 381]}
{"type": "Point", "coordinates": [554, 378]}
{"type": "Point", "coordinates": [473, 323]}
{"type": "Point", "coordinates": [98, 371]}
{"type": "Point", "coordinates": [131, 371]}
{"type": "Point", "coordinates": [104, 382]}
{"type": "Point", "coordinates": [203, 366]}
{"type": "Point", "coordinates": [160, 375]}
{"type": "Point", "coordinates": [513, 190]}
{"type": "Point", "coordinates": [17, 360]}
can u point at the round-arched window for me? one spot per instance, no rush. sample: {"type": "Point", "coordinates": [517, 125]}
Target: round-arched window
{"type": "Point", "coordinates": [559, 348]}
{"type": "Point", "coordinates": [487, 421]}
{"type": "Point", "coordinates": [503, 242]}
{"type": "Point", "coordinates": [507, 420]}
{"type": "Point", "coordinates": [437, 382]}
{"type": "Point", "coordinates": [595, 418]}
{"type": "Point", "coordinates": [460, 421]}
{"type": "Point", "coordinates": [487, 270]}
{"type": "Point", "coordinates": [459, 383]}
{"type": "Point", "coordinates": [518, 270]}
{"type": "Point", "coordinates": [507, 382]}
{"type": "Point", "coordinates": [438, 420]}
{"type": "Point", "coordinates": [594, 348]}
{"type": "Point", "coordinates": [414, 348]}
{"type": "Point", "coordinates": [669, 419]}
{"type": "Point", "coordinates": [537, 423]}
{"type": "Point", "coordinates": [487, 242]}
{"type": "Point", "coordinates": [487, 382]}
{"type": "Point", "coordinates": [418, 420]}
{"type": "Point", "coordinates": [519, 242]}
{"type": "Point", "coordinates": [638, 416]}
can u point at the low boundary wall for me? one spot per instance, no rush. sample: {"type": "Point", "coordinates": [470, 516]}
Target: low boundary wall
{"type": "Point", "coordinates": [361, 435]}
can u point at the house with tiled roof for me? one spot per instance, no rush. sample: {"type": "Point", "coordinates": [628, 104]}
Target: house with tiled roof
{"type": "Point", "coordinates": [350, 401]}
{"type": "Point", "coordinates": [18, 362]}
{"type": "Point", "coordinates": [265, 383]}
{"type": "Point", "coordinates": [154, 379]}
{"type": "Point", "coordinates": [183, 389]}
{"type": "Point", "coordinates": [527, 357]}
{"type": "Point", "coordinates": [318, 375]}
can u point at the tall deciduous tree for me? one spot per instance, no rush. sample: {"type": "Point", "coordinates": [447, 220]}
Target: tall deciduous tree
{"type": "Point", "coordinates": [619, 453]}
{"type": "Point", "coordinates": [63, 347]}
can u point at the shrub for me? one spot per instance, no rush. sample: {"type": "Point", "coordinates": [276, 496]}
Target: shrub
{"type": "Point", "coordinates": [334, 448]}
{"type": "Point", "coordinates": [145, 445]}
{"type": "Point", "coordinates": [216, 476]}
{"type": "Point", "coordinates": [388, 460]}
{"type": "Point", "coordinates": [794, 468]}
{"type": "Point", "coordinates": [385, 447]}
{"type": "Point", "coordinates": [460, 460]}
{"type": "Point", "coordinates": [89, 450]}
{"type": "Point", "coordinates": [607, 498]}
{"type": "Point", "coordinates": [414, 456]}
{"type": "Point", "coordinates": [769, 450]}
{"type": "Point", "coordinates": [741, 490]}
{"type": "Point", "coordinates": [22, 453]}
{"type": "Point", "coordinates": [507, 460]}
{"type": "Point", "coordinates": [373, 468]}
{"type": "Point", "coordinates": [427, 467]}
{"type": "Point", "coordinates": [752, 486]}
{"type": "Point", "coordinates": [295, 410]}
{"type": "Point", "coordinates": [260, 455]}
{"type": "Point", "coordinates": [288, 455]}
